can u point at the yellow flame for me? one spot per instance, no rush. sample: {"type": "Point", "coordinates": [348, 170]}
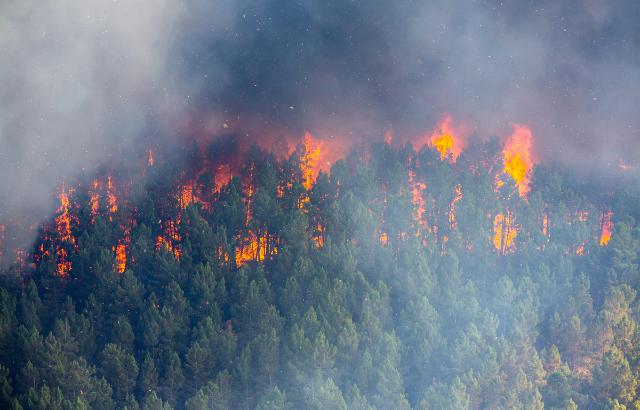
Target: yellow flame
{"type": "Point", "coordinates": [516, 167]}
{"type": "Point", "coordinates": [443, 144]}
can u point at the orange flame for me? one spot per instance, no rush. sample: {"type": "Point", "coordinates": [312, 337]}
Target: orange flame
{"type": "Point", "coordinates": [255, 250]}
{"type": "Point", "coordinates": [121, 258]}
{"type": "Point", "coordinates": [113, 202]}
{"type": "Point", "coordinates": [63, 227]}
{"type": "Point", "coordinates": [160, 242]}
{"type": "Point", "coordinates": [309, 161]}
{"type": "Point", "coordinates": [94, 198]}
{"type": "Point", "coordinates": [517, 162]}
{"type": "Point", "coordinates": [317, 237]}
{"type": "Point", "coordinates": [607, 228]}
{"type": "Point", "coordinates": [446, 139]}
{"type": "Point", "coordinates": [187, 194]}
{"type": "Point", "coordinates": [503, 233]}
{"type": "Point", "coordinates": [150, 158]}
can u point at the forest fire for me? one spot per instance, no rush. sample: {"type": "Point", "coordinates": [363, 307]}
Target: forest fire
{"type": "Point", "coordinates": [197, 227]}
{"type": "Point", "coordinates": [320, 205]}
{"type": "Point", "coordinates": [517, 161]}
{"type": "Point", "coordinates": [257, 244]}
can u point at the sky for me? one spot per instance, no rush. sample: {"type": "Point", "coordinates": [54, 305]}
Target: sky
{"type": "Point", "coordinates": [86, 83]}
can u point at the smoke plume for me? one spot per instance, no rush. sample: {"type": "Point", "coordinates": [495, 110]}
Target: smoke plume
{"type": "Point", "coordinates": [85, 82]}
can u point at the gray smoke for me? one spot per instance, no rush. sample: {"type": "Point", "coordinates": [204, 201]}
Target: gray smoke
{"type": "Point", "coordinates": [566, 69]}
{"type": "Point", "coordinates": [82, 82]}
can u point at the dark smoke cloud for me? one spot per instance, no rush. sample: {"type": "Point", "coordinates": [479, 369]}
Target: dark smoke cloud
{"type": "Point", "coordinates": [569, 70]}
{"type": "Point", "coordinates": [82, 82]}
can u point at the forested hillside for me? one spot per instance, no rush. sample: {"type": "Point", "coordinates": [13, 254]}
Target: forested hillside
{"type": "Point", "coordinates": [398, 280]}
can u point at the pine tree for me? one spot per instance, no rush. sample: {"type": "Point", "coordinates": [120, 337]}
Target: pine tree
{"type": "Point", "coordinates": [148, 381]}
{"type": "Point", "coordinates": [173, 379]}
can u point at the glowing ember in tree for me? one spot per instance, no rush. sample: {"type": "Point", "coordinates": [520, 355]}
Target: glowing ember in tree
{"type": "Point", "coordinates": [160, 242]}
{"type": "Point", "coordinates": [187, 195]}
{"type": "Point", "coordinates": [223, 176]}
{"type": "Point", "coordinates": [517, 161]}
{"type": "Point", "coordinates": [452, 216]}
{"type": "Point", "coordinates": [150, 158]}
{"type": "Point", "coordinates": [388, 137]}
{"type": "Point", "coordinates": [94, 198]}
{"type": "Point", "coordinates": [317, 238]}
{"type": "Point", "coordinates": [113, 202]}
{"type": "Point", "coordinates": [417, 189]}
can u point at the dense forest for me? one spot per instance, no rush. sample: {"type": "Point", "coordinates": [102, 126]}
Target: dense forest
{"type": "Point", "coordinates": [400, 279]}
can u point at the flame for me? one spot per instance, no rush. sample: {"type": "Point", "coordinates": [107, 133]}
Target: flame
{"type": "Point", "coordinates": [446, 139]}
{"type": "Point", "coordinates": [503, 233]}
{"type": "Point", "coordinates": [186, 194]}
{"type": "Point", "coordinates": [94, 198]}
{"type": "Point", "coordinates": [257, 246]}
{"type": "Point", "coordinates": [161, 241]}
{"type": "Point", "coordinates": [113, 202]}
{"type": "Point", "coordinates": [62, 221]}
{"type": "Point", "coordinates": [309, 162]}
{"type": "Point", "coordinates": [121, 258]}
{"type": "Point", "coordinates": [255, 250]}
{"type": "Point", "coordinates": [517, 162]}
{"type": "Point", "coordinates": [63, 227]}
{"type": "Point", "coordinates": [607, 228]}
{"type": "Point", "coordinates": [317, 238]}
{"type": "Point", "coordinates": [443, 143]}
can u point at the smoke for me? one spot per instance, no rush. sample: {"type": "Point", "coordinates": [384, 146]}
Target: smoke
{"type": "Point", "coordinates": [84, 82]}
{"type": "Point", "coordinates": [80, 82]}
{"type": "Point", "coordinates": [568, 70]}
